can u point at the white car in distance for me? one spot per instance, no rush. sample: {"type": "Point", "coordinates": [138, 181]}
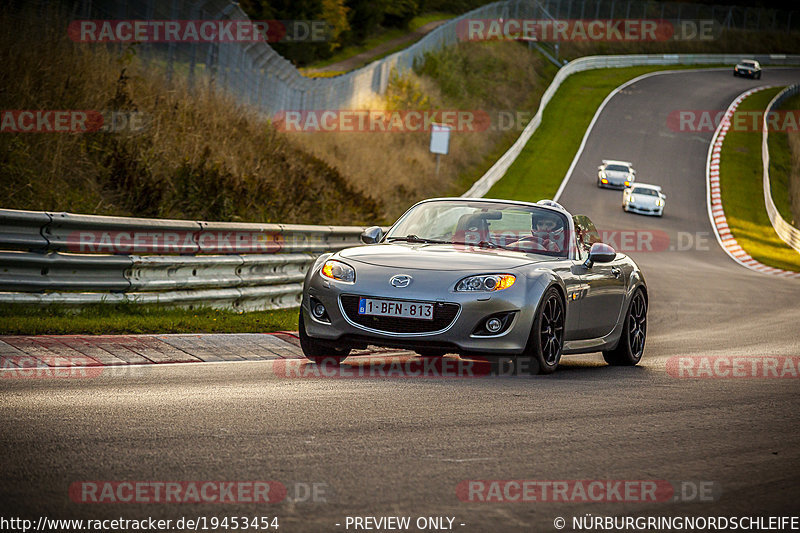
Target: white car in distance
{"type": "Point", "coordinates": [614, 174]}
{"type": "Point", "coordinates": [644, 199]}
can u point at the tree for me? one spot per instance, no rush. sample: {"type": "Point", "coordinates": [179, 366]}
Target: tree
{"type": "Point", "coordinates": [334, 12]}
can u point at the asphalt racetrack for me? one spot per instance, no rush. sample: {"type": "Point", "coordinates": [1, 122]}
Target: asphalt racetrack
{"type": "Point", "coordinates": [383, 446]}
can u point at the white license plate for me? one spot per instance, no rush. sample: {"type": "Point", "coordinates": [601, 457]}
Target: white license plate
{"type": "Point", "coordinates": [422, 311]}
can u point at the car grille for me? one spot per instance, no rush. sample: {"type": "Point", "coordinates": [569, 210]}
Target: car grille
{"type": "Point", "coordinates": [443, 316]}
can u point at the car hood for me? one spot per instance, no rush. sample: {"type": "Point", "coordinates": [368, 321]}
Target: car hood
{"type": "Point", "coordinates": [645, 199]}
{"type": "Point", "coordinates": [440, 257]}
{"type": "Point", "coordinates": [616, 175]}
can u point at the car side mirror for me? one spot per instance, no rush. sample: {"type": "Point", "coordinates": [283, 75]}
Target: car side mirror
{"type": "Point", "coordinates": [372, 235]}
{"type": "Point", "coordinates": [663, 196]}
{"type": "Point", "coordinates": [600, 253]}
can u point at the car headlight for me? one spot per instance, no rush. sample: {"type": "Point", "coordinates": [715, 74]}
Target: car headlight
{"type": "Point", "coordinates": [659, 202]}
{"type": "Point", "coordinates": [632, 199]}
{"type": "Point", "coordinates": [486, 282]}
{"type": "Point", "coordinates": [339, 271]}
{"type": "Point", "coordinates": [602, 174]}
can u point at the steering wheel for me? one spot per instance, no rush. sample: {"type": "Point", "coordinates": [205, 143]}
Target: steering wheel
{"type": "Point", "coordinates": [532, 241]}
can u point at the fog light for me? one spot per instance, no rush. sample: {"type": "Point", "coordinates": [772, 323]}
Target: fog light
{"type": "Point", "coordinates": [318, 310]}
{"type": "Point", "coordinates": [493, 325]}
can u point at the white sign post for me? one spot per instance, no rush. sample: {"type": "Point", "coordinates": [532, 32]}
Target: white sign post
{"type": "Point", "coordinates": [440, 142]}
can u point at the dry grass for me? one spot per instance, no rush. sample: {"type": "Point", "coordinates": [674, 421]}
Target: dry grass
{"type": "Point", "coordinates": [200, 155]}
{"type": "Point", "coordinates": [398, 167]}
{"type": "Point", "coordinates": [203, 156]}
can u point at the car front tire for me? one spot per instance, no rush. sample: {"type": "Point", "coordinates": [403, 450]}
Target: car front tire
{"type": "Point", "coordinates": [316, 351]}
{"type": "Point", "coordinates": [630, 349]}
{"type": "Point", "coordinates": [547, 335]}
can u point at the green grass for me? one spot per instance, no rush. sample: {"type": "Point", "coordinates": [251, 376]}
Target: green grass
{"type": "Point", "coordinates": [378, 39]}
{"type": "Point", "coordinates": [743, 194]}
{"type": "Point", "coordinates": [426, 18]}
{"type": "Point", "coordinates": [107, 319]}
{"type": "Point", "coordinates": [780, 166]}
{"type": "Point", "coordinates": [542, 164]}
{"type": "Point", "coordinates": [349, 51]}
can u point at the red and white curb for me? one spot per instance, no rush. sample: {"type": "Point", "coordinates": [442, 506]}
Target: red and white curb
{"type": "Point", "coordinates": [716, 213]}
{"type": "Point", "coordinates": [22, 352]}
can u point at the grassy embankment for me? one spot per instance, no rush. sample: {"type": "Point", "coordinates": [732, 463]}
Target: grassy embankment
{"type": "Point", "coordinates": [784, 158]}
{"type": "Point", "coordinates": [542, 164]}
{"type": "Point", "coordinates": [111, 319]}
{"type": "Point", "coordinates": [198, 155]}
{"type": "Point", "coordinates": [741, 183]}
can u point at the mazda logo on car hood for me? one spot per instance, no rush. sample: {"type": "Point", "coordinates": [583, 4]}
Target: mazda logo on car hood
{"type": "Point", "coordinates": [400, 281]}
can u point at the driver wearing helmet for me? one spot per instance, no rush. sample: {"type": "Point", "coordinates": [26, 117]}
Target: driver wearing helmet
{"type": "Point", "coordinates": [547, 230]}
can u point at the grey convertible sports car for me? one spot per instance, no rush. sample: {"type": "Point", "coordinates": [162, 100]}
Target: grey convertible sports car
{"type": "Point", "coordinates": [478, 277]}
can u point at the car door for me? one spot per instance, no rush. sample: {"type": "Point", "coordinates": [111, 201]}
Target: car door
{"type": "Point", "coordinates": [603, 285]}
{"type": "Point", "coordinates": [570, 273]}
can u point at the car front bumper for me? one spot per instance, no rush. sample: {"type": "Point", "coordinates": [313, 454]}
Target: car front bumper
{"type": "Point", "coordinates": [644, 210]}
{"type": "Point", "coordinates": [457, 336]}
{"type": "Point", "coordinates": [613, 184]}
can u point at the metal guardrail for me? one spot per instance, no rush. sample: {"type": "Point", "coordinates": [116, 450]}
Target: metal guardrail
{"type": "Point", "coordinates": [79, 259]}
{"type": "Point", "coordinates": [501, 166]}
{"type": "Point", "coordinates": [788, 233]}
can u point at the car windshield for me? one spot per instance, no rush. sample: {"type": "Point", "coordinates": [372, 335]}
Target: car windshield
{"type": "Point", "coordinates": [748, 64]}
{"type": "Point", "coordinates": [617, 168]}
{"type": "Point", "coordinates": [645, 191]}
{"type": "Point", "coordinates": [524, 228]}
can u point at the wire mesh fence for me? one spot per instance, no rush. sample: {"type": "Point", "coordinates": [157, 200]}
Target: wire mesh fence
{"type": "Point", "coordinates": [257, 75]}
